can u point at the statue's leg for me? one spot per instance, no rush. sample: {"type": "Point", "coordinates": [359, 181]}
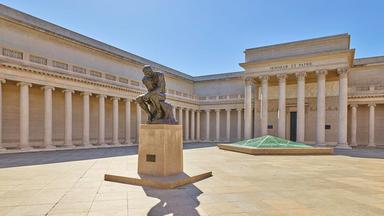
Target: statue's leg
{"type": "Point", "coordinates": [143, 105]}
{"type": "Point", "coordinates": [156, 103]}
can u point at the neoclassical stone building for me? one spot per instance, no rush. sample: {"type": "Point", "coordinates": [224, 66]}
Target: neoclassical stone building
{"type": "Point", "coordinates": [60, 89]}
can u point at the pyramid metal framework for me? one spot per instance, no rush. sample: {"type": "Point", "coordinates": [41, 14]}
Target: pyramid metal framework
{"type": "Point", "coordinates": [269, 141]}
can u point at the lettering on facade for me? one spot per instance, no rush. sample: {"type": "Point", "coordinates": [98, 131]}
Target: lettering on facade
{"type": "Point", "coordinates": [291, 66]}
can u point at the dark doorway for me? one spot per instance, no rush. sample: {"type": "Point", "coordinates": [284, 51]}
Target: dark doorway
{"type": "Point", "coordinates": [293, 126]}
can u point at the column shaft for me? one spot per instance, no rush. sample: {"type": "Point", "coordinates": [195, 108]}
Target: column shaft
{"type": "Point", "coordinates": [207, 125]}
{"type": "Point", "coordinates": [320, 115]}
{"type": "Point", "coordinates": [186, 124]}
{"type": "Point", "coordinates": [343, 108]}
{"type": "Point", "coordinates": [1, 113]}
{"type": "Point", "coordinates": [353, 124]}
{"type": "Point", "coordinates": [282, 112]}
{"type": "Point", "coordinates": [264, 105]}
{"type": "Point", "coordinates": [48, 115]}
{"type": "Point", "coordinates": [127, 121]}
{"type": "Point", "coordinates": [239, 124]}
{"type": "Point", "coordinates": [193, 125]}
{"type": "Point", "coordinates": [180, 120]}
{"type": "Point", "coordinates": [217, 125]}
{"type": "Point", "coordinates": [198, 125]}
{"type": "Point", "coordinates": [228, 131]}
{"type": "Point", "coordinates": [138, 122]}
{"type": "Point", "coordinates": [68, 117]}
{"type": "Point", "coordinates": [371, 127]}
{"type": "Point", "coordinates": [86, 118]}
{"type": "Point", "coordinates": [101, 140]}
{"type": "Point", "coordinates": [248, 108]}
{"type": "Point", "coordinates": [115, 120]}
{"type": "Point", "coordinates": [300, 127]}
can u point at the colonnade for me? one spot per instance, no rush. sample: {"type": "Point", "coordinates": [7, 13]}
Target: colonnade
{"type": "Point", "coordinates": [321, 109]}
{"type": "Point", "coordinates": [191, 121]}
{"type": "Point", "coordinates": [371, 124]}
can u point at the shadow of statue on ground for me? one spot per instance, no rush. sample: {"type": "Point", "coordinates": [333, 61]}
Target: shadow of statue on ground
{"type": "Point", "coordinates": [181, 201]}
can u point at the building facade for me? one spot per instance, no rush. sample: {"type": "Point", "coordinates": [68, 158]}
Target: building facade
{"type": "Point", "coordinates": [60, 89]}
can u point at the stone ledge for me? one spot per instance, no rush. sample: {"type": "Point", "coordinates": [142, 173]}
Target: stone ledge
{"type": "Point", "coordinates": [166, 182]}
{"type": "Point", "coordinates": [277, 151]}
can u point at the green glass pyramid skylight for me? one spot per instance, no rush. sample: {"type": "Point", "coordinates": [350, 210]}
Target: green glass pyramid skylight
{"type": "Point", "coordinates": [269, 141]}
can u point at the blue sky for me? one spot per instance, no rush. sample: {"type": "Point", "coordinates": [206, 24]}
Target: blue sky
{"type": "Point", "coordinates": [202, 37]}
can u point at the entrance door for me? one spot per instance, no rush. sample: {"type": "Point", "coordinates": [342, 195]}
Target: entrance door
{"type": "Point", "coordinates": [293, 126]}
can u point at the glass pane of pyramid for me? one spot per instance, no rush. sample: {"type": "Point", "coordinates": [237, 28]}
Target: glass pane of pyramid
{"type": "Point", "coordinates": [269, 141]}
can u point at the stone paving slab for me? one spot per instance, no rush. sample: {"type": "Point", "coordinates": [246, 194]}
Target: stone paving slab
{"type": "Point", "coordinates": [71, 183]}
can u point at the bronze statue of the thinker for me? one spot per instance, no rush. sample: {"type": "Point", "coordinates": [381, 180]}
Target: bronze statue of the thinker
{"type": "Point", "coordinates": [153, 102]}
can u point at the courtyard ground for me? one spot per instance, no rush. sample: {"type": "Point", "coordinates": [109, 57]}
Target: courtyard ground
{"type": "Point", "coordinates": [71, 183]}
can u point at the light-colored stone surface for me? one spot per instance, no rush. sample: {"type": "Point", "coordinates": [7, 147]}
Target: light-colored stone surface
{"type": "Point", "coordinates": [165, 142]}
{"type": "Point", "coordinates": [241, 185]}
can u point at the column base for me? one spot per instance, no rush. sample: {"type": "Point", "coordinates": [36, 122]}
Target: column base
{"type": "Point", "coordinates": [320, 145]}
{"type": "Point", "coordinates": [371, 145]}
{"type": "Point", "coordinates": [343, 146]}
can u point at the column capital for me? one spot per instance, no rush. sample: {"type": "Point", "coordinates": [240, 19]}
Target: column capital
{"type": "Point", "coordinates": [239, 109]}
{"type": "Point", "coordinates": [68, 90]}
{"type": "Point", "coordinates": [101, 96]}
{"type": "Point", "coordinates": [321, 72]}
{"type": "Point", "coordinates": [249, 81]}
{"type": "Point", "coordinates": [24, 84]}
{"type": "Point", "coordinates": [48, 88]}
{"type": "Point", "coordinates": [371, 104]}
{"type": "Point", "coordinates": [207, 110]}
{"type": "Point", "coordinates": [198, 111]}
{"type": "Point", "coordinates": [342, 72]}
{"type": "Point", "coordinates": [281, 77]}
{"type": "Point", "coordinates": [217, 110]}
{"type": "Point", "coordinates": [264, 78]}
{"type": "Point", "coordinates": [2, 80]}
{"type": "Point", "coordinates": [228, 109]}
{"type": "Point", "coordinates": [354, 105]}
{"type": "Point", "coordinates": [301, 75]}
{"type": "Point", "coordinates": [86, 93]}
{"type": "Point", "coordinates": [129, 100]}
{"type": "Point", "coordinates": [115, 98]}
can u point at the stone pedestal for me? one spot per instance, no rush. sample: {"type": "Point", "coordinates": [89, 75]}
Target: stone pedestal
{"type": "Point", "coordinates": [160, 149]}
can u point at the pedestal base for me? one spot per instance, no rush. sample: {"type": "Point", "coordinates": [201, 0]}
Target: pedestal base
{"type": "Point", "coordinates": [160, 149]}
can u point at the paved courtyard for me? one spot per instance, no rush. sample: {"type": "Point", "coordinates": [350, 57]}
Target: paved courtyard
{"type": "Point", "coordinates": [71, 183]}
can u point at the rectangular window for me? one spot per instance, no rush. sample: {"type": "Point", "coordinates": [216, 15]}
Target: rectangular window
{"type": "Point", "coordinates": [38, 60]}
{"type": "Point", "coordinates": [60, 65]}
{"type": "Point", "coordinates": [135, 83]}
{"type": "Point", "coordinates": [12, 53]}
{"type": "Point", "coordinates": [95, 73]}
{"type": "Point", "coordinates": [110, 77]}
{"type": "Point", "coordinates": [123, 80]}
{"type": "Point", "coordinates": [79, 69]}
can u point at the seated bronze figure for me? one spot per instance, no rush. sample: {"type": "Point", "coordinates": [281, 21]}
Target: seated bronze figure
{"type": "Point", "coordinates": [153, 102]}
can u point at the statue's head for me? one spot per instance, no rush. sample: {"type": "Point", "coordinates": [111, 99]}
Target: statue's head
{"type": "Point", "coordinates": [147, 70]}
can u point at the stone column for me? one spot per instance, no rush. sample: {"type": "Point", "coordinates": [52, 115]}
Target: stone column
{"type": "Point", "coordinates": [138, 122]}
{"type": "Point", "coordinates": [264, 105]}
{"type": "Point", "coordinates": [207, 128]}
{"type": "Point", "coordinates": [371, 127]}
{"type": "Point", "coordinates": [239, 124]}
{"type": "Point", "coordinates": [24, 114]}
{"type": "Point", "coordinates": [174, 111]}
{"type": "Point", "coordinates": [1, 113]}
{"type": "Point", "coordinates": [343, 108]}
{"type": "Point", "coordinates": [101, 140]}
{"type": "Point", "coordinates": [256, 114]}
{"type": "Point", "coordinates": [300, 127]}
{"type": "Point", "coordinates": [217, 125]}
{"type": "Point", "coordinates": [228, 131]}
{"type": "Point", "coordinates": [281, 113]}
{"type": "Point", "coordinates": [115, 120]}
{"type": "Point", "coordinates": [186, 125]}
{"type": "Point", "coordinates": [127, 121]}
{"type": "Point", "coordinates": [180, 120]}
{"type": "Point", "coordinates": [198, 125]}
{"type": "Point", "coordinates": [68, 117]}
{"type": "Point", "coordinates": [353, 124]}
{"type": "Point", "coordinates": [48, 115]}
{"type": "Point", "coordinates": [86, 117]}
{"type": "Point", "coordinates": [193, 125]}
{"type": "Point", "coordinates": [320, 116]}
{"type": "Point", "coordinates": [249, 81]}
